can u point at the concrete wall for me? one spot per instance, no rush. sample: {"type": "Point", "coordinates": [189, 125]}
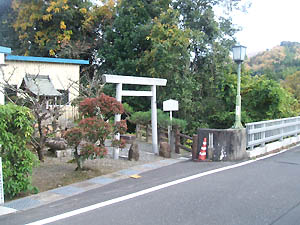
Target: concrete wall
{"type": "Point", "coordinates": [224, 144]}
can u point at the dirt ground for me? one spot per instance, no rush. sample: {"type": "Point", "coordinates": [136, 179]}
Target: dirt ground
{"type": "Point", "coordinates": [56, 172]}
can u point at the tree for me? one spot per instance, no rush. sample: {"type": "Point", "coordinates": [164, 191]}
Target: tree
{"type": "Point", "coordinates": [89, 135]}
{"type": "Point", "coordinates": [44, 114]}
{"type": "Point", "coordinates": [125, 41]}
{"type": "Point", "coordinates": [292, 84]}
{"type": "Point", "coordinates": [8, 36]}
{"type": "Point", "coordinates": [67, 28]}
{"type": "Point", "coordinates": [169, 58]}
{"type": "Point", "coordinates": [278, 62]}
{"type": "Point", "coordinates": [16, 128]}
{"type": "Point", "coordinates": [262, 99]}
{"type": "Point", "coordinates": [210, 43]}
{"type": "Point", "coordinates": [160, 44]}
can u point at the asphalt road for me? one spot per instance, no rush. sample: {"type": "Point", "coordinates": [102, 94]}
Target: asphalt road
{"type": "Point", "coordinates": [266, 191]}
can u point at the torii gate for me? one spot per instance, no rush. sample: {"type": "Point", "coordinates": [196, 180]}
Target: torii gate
{"type": "Point", "coordinates": [153, 82]}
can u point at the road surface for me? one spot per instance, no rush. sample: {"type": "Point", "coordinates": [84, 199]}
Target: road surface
{"type": "Point", "coordinates": [264, 192]}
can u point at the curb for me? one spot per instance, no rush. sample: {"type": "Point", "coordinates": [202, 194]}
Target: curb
{"type": "Point", "coordinates": [80, 187]}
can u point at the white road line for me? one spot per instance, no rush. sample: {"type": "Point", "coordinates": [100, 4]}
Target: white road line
{"type": "Point", "coordinates": [143, 192]}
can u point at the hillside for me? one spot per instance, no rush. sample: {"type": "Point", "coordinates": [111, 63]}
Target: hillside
{"type": "Point", "coordinates": [277, 62]}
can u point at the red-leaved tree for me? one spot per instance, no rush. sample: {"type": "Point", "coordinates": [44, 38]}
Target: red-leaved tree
{"type": "Point", "coordinates": [94, 128]}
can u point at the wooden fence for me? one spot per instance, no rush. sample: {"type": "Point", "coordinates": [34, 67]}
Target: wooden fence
{"type": "Point", "coordinates": [145, 132]}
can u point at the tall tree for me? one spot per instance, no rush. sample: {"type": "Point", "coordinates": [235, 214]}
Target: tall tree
{"type": "Point", "coordinates": [8, 36]}
{"type": "Point", "coordinates": [169, 57]}
{"type": "Point", "coordinates": [68, 28]}
{"type": "Point", "coordinates": [125, 39]}
{"type": "Point", "coordinates": [292, 84]}
{"type": "Point", "coordinates": [210, 43]}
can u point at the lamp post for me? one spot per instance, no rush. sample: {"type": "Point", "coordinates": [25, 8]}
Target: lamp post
{"type": "Point", "coordinates": [239, 53]}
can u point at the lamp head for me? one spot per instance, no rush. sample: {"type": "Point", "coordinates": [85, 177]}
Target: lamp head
{"type": "Point", "coordinates": [239, 53]}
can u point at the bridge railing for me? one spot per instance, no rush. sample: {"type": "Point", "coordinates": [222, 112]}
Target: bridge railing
{"type": "Point", "coordinates": [260, 133]}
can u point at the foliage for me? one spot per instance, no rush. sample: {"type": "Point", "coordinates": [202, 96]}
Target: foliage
{"type": "Point", "coordinates": [128, 109]}
{"type": "Point", "coordinates": [125, 41]}
{"type": "Point", "coordinates": [183, 41]}
{"type": "Point", "coordinates": [169, 55]}
{"type": "Point", "coordinates": [158, 38]}
{"type": "Point", "coordinates": [143, 118]}
{"type": "Point", "coordinates": [262, 99]}
{"type": "Point", "coordinates": [58, 27]}
{"type": "Point", "coordinates": [8, 36]}
{"type": "Point", "coordinates": [179, 123]}
{"type": "Point", "coordinates": [291, 84]}
{"type": "Point", "coordinates": [89, 136]}
{"type": "Point", "coordinates": [278, 62]}
{"type": "Point", "coordinates": [163, 119]}
{"type": "Point", "coordinates": [103, 105]}
{"type": "Point", "coordinates": [16, 128]}
{"type": "Point", "coordinates": [43, 115]}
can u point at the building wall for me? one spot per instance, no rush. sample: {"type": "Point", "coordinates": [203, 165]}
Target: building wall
{"type": "Point", "coordinates": [63, 76]}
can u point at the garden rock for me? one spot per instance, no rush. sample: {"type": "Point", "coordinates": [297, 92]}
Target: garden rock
{"type": "Point", "coordinates": [133, 152]}
{"type": "Point", "coordinates": [56, 143]}
{"type": "Point", "coordinates": [165, 150]}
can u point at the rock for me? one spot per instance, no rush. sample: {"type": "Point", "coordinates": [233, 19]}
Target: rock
{"type": "Point", "coordinates": [130, 139]}
{"type": "Point", "coordinates": [133, 152]}
{"type": "Point", "coordinates": [57, 143]}
{"type": "Point", "coordinates": [165, 150]}
{"type": "Point", "coordinates": [63, 153]}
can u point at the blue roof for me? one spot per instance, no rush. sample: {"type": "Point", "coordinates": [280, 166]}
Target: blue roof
{"type": "Point", "coordinates": [5, 50]}
{"type": "Point", "coordinates": [44, 59]}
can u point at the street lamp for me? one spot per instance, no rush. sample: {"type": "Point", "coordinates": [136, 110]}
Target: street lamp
{"type": "Point", "coordinates": [239, 53]}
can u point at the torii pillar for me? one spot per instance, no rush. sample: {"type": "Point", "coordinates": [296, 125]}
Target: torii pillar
{"type": "Point", "coordinates": [153, 82]}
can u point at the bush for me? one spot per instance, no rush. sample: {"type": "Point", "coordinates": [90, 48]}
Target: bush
{"type": "Point", "coordinates": [16, 128]}
{"type": "Point", "coordinates": [163, 119]}
{"type": "Point", "coordinates": [88, 137]}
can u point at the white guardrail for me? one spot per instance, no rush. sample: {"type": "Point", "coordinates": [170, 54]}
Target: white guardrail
{"type": "Point", "coordinates": [260, 133]}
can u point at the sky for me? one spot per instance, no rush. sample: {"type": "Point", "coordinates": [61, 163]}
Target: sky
{"type": "Point", "coordinates": [267, 23]}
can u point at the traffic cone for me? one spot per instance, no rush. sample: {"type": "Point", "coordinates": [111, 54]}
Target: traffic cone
{"type": "Point", "coordinates": [202, 153]}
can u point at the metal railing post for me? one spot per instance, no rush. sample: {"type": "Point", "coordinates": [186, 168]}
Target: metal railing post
{"type": "Point", "coordinates": [263, 135]}
{"type": "Point", "coordinates": [281, 130]}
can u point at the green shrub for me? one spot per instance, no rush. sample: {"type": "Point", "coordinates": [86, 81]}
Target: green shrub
{"type": "Point", "coordinates": [16, 128]}
{"type": "Point", "coordinates": [142, 118]}
{"type": "Point", "coordinates": [163, 119]}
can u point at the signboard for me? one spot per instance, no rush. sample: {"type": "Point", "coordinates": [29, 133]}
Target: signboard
{"type": "Point", "coordinates": [170, 105]}
{"type": "Point", "coordinates": [1, 184]}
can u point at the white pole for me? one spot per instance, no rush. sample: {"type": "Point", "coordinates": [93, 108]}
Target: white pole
{"type": "Point", "coordinates": [1, 184]}
{"type": "Point", "coordinates": [154, 120]}
{"type": "Point", "coordinates": [170, 130]}
{"type": "Point", "coordinates": [117, 119]}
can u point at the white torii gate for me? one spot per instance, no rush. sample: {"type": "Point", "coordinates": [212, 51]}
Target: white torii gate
{"type": "Point", "coordinates": [153, 82]}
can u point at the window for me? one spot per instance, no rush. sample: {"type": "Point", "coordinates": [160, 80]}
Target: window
{"type": "Point", "coordinates": [64, 99]}
{"type": "Point", "coordinates": [10, 93]}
